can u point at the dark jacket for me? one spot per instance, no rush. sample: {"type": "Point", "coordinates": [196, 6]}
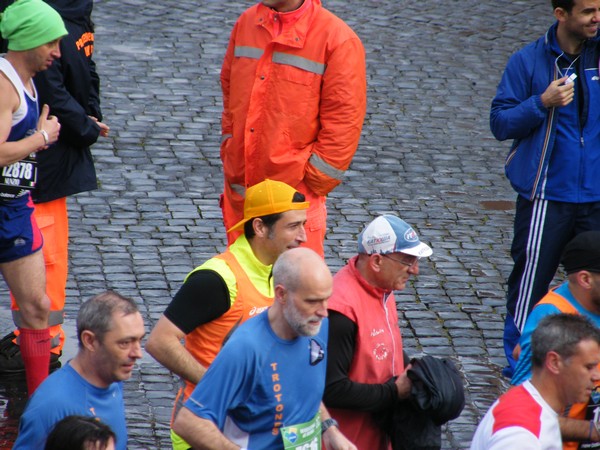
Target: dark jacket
{"type": "Point", "coordinates": [437, 396]}
{"type": "Point", "coordinates": [70, 87]}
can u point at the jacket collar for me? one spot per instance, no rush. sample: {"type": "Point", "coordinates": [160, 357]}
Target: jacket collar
{"type": "Point", "coordinates": [246, 257]}
{"type": "Point", "coordinates": [552, 43]}
{"type": "Point", "coordinates": [296, 23]}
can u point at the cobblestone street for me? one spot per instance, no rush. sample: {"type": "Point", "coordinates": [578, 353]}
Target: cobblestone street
{"type": "Point", "coordinates": [426, 154]}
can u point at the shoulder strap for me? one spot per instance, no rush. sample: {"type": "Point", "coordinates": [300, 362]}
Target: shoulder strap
{"type": "Point", "coordinates": [563, 305]}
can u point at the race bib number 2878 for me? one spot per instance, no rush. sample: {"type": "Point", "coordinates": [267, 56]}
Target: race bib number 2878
{"type": "Point", "coordinates": [22, 174]}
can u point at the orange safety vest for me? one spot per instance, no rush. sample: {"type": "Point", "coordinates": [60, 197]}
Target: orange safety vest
{"type": "Point", "coordinates": [576, 410]}
{"type": "Point", "coordinates": [206, 340]}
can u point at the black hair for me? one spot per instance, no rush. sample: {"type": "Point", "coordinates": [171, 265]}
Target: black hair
{"type": "Point", "coordinates": [78, 432]}
{"type": "Point", "coordinates": [270, 219]}
{"type": "Point", "coordinates": [567, 5]}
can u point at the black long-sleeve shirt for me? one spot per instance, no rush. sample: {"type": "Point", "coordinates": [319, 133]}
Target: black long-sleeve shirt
{"type": "Point", "coordinates": [340, 391]}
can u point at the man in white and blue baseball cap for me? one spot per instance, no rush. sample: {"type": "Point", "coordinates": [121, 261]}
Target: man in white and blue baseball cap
{"type": "Point", "coordinates": [366, 374]}
{"type": "Point", "coordinates": [390, 234]}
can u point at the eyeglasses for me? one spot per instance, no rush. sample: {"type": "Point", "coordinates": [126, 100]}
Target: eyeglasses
{"type": "Point", "coordinates": [406, 263]}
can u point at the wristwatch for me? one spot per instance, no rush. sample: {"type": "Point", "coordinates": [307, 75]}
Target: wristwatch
{"type": "Point", "coordinates": [328, 423]}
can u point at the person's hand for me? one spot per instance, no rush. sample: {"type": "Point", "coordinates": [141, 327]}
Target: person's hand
{"type": "Point", "coordinates": [516, 352]}
{"type": "Point", "coordinates": [335, 440]}
{"type": "Point", "coordinates": [49, 124]}
{"type": "Point", "coordinates": [404, 384]}
{"type": "Point", "coordinates": [104, 129]}
{"type": "Point", "coordinates": [558, 93]}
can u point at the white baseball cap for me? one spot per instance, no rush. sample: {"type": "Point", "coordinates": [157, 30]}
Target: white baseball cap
{"type": "Point", "coordinates": [390, 234]}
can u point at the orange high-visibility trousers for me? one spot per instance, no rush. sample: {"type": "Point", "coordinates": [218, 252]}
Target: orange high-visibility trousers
{"type": "Point", "coordinates": [53, 221]}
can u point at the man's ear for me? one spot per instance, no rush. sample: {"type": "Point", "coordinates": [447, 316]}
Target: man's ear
{"type": "Point", "coordinates": [560, 14]}
{"type": "Point", "coordinates": [554, 362]}
{"type": "Point", "coordinates": [375, 261]}
{"type": "Point", "coordinates": [259, 227]}
{"type": "Point", "coordinates": [584, 279]}
{"type": "Point", "coordinates": [88, 338]}
{"type": "Point", "coordinates": [280, 294]}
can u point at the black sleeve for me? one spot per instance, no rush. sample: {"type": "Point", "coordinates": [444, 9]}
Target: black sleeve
{"type": "Point", "coordinates": [203, 297]}
{"type": "Point", "coordinates": [94, 101]}
{"type": "Point", "coordinates": [340, 391]}
{"type": "Point", "coordinates": [65, 87]}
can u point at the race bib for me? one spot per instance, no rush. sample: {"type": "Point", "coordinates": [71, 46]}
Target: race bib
{"type": "Point", "coordinates": [18, 178]}
{"type": "Point", "coordinates": [304, 436]}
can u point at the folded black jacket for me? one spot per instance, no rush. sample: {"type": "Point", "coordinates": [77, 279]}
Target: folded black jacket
{"type": "Point", "coordinates": [437, 396]}
{"type": "Point", "coordinates": [437, 388]}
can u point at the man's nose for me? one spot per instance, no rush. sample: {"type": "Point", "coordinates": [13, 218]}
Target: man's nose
{"type": "Point", "coordinates": [136, 350]}
{"type": "Point", "coordinates": [302, 234]}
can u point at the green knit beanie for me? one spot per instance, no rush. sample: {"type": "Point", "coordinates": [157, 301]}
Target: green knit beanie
{"type": "Point", "coordinates": [27, 24]}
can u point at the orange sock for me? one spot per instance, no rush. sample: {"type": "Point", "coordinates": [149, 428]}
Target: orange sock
{"type": "Point", "coordinates": [35, 350]}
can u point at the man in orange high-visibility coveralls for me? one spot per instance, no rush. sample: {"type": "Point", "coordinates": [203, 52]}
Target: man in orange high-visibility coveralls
{"type": "Point", "coordinates": [294, 101]}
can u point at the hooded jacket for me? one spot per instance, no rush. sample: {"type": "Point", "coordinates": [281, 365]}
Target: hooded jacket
{"type": "Point", "coordinates": [535, 166]}
{"type": "Point", "coordinates": [70, 87]}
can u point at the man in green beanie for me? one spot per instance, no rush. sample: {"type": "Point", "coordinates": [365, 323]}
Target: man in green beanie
{"type": "Point", "coordinates": [71, 88]}
{"type": "Point", "coordinates": [33, 31]}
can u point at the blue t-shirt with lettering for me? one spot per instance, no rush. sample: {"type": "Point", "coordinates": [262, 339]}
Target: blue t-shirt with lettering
{"type": "Point", "coordinates": [259, 383]}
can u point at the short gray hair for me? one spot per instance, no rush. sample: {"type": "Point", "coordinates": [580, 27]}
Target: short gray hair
{"type": "Point", "coordinates": [561, 333]}
{"type": "Point", "coordinates": [95, 314]}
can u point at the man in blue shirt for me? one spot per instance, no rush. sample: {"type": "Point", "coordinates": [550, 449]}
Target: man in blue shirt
{"type": "Point", "coordinates": [110, 329]}
{"type": "Point", "coordinates": [265, 386]}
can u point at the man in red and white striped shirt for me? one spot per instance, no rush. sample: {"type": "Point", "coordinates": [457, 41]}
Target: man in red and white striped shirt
{"type": "Point", "coordinates": [565, 356]}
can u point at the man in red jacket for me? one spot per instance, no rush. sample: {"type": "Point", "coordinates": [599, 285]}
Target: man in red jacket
{"type": "Point", "coordinates": [366, 375]}
{"type": "Point", "coordinates": [294, 100]}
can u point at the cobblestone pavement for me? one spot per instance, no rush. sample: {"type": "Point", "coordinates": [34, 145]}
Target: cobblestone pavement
{"type": "Point", "coordinates": [426, 154]}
